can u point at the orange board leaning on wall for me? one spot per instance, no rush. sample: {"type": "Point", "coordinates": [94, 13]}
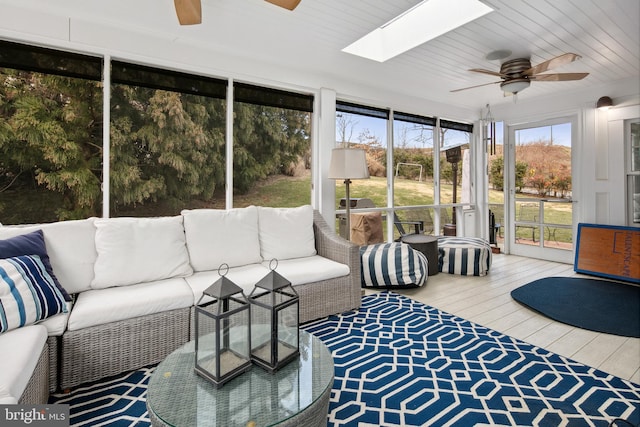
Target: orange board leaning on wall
{"type": "Point", "coordinates": [608, 251]}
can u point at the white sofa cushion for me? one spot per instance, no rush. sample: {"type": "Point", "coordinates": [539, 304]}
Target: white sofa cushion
{"type": "Point", "coordinates": [5, 399]}
{"type": "Point", "coordinates": [101, 306]}
{"type": "Point", "coordinates": [216, 236]}
{"type": "Point", "coordinates": [245, 276]}
{"type": "Point", "coordinates": [56, 325]}
{"type": "Point", "coordinates": [19, 351]}
{"type": "Point", "coordinates": [286, 232]}
{"type": "Point", "coordinates": [138, 250]}
{"type": "Point", "coordinates": [300, 271]}
{"type": "Point", "coordinates": [71, 249]}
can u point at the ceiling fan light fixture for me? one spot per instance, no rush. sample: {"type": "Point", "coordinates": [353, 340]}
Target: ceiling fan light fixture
{"type": "Point", "coordinates": [517, 74]}
{"type": "Point", "coordinates": [604, 103]}
{"type": "Point", "coordinates": [515, 85]}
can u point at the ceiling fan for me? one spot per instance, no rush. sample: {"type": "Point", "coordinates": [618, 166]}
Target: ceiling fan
{"type": "Point", "coordinates": [190, 11]}
{"type": "Point", "coordinates": [517, 74]}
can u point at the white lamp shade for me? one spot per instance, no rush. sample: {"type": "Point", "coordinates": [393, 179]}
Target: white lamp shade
{"type": "Point", "coordinates": [348, 163]}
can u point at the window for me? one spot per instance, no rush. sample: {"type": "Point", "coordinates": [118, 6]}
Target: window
{"type": "Point", "coordinates": [540, 188]}
{"type": "Point", "coordinates": [50, 135]}
{"type": "Point", "coordinates": [271, 147]}
{"type": "Point", "coordinates": [413, 183]}
{"type": "Point", "coordinates": [495, 164]}
{"type": "Point", "coordinates": [167, 141]}
{"type": "Point", "coordinates": [360, 126]}
{"type": "Point", "coordinates": [416, 182]}
{"type": "Point", "coordinates": [455, 143]}
{"type": "Point", "coordinates": [633, 173]}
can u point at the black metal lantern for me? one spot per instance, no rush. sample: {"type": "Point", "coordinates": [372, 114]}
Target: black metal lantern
{"type": "Point", "coordinates": [223, 332]}
{"type": "Point", "coordinates": [275, 319]}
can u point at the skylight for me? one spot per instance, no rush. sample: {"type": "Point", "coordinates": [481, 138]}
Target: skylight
{"type": "Point", "coordinates": [423, 22]}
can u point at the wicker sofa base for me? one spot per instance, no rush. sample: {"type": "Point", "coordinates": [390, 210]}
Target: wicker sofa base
{"type": "Point", "coordinates": [327, 297]}
{"type": "Point", "coordinates": [54, 348]}
{"type": "Point", "coordinates": [105, 350]}
{"type": "Point", "coordinates": [37, 390]}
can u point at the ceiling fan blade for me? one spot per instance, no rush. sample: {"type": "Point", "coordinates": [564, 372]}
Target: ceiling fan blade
{"type": "Point", "coordinates": [287, 4]}
{"type": "Point", "coordinates": [558, 61]}
{"type": "Point", "coordinates": [189, 11]}
{"type": "Point", "coordinates": [483, 71]}
{"type": "Point", "coordinates": [558, 77]}
{"type": "Point", "coordinates": [472, 87]}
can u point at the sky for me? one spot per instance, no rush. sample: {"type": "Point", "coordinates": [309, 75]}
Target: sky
{"type": "Point", "coordinates": [378, 128]}
{"type": "Point", "coordinates": [560, 134]}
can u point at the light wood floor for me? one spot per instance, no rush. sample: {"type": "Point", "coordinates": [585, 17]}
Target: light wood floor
{"type": "Point", "coordinates": [487, 301]}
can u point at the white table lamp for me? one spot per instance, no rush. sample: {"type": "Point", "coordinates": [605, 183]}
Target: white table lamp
{"type": "Point", "coordinates": [348, 164]}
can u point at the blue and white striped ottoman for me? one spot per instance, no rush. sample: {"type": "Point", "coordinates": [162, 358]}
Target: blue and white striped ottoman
{"type": "Point", "coordinates": [468, 256]}
{"type": "Point", "coordinates": [392, 265]}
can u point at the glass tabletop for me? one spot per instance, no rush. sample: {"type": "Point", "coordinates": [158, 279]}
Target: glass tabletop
{"type": "Point", "coordinates": [179, 397]}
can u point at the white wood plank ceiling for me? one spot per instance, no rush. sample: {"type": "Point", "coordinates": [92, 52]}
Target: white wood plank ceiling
{"type": "Point", "coordinates": [606, 33]}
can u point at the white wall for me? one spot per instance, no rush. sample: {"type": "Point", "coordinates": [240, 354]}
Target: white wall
{"type": "Point", "coordinates": [610, 177]}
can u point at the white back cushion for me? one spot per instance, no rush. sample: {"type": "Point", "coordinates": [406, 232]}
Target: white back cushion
{"type": "Point", "coordinates": [71, 249]}
{"type": "Point", "coordinates": [138, 250]}
{"type": "Point", "coordinates": [286, 232]}
{"type": "Point", "coordinates": [216, 237]}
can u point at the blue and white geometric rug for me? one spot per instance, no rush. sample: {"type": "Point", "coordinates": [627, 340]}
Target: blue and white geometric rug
{"type": "Point", "coordinates": [399, 362]}
{"type": "Point", "coordinates": [402, 363]}
{"type": "Point", "coordinates": [116, 401]}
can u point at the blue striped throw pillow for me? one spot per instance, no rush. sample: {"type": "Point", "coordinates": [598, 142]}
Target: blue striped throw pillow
{"type": "Point", "coordinates": [27, 292]}
{"type": "Point", "coordinates": [392, 265]}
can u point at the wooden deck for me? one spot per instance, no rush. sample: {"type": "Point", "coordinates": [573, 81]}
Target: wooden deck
{"type": "Point", "coordinates": [487, 301]}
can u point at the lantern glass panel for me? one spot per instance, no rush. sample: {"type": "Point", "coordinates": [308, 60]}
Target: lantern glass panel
{"type": "Point", "coordinates": [274, 326]}
{"type": "Point", "coordinates": [287, 331]}
{"type": "Point", "coordinates": [223, 339]}
{"type": "Point", "coordinates": [206, 354]}
{"type": "Point", "coordinates": [235, 341]}
{"type": "Point", "coordinates": [261, 321]}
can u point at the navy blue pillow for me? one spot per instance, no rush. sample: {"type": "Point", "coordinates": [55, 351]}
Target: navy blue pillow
{"type": "Point", "coordinates": [31, 244]}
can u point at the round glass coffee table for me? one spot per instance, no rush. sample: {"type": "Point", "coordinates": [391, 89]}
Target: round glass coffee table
{"type": "Point", "coordinates": [296, 395]}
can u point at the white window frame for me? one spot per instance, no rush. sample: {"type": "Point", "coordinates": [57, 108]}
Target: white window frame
{"type": "Point", "coordinates": [631, 174]}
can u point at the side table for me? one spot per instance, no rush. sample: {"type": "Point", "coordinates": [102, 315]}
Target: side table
{"type": "Point", "coordinates": [296, 395]}
{"type": "Point", "coordinates": [428, 245]}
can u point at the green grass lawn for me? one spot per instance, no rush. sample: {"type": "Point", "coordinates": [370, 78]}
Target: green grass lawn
{"type": "Point", "coordinates": [291, 192]}
{"type": "Point", "coordinates": [282, 191]}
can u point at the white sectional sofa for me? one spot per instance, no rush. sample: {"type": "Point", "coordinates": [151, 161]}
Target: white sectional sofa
{"type": "Point", "coordinates": [135, 281]}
